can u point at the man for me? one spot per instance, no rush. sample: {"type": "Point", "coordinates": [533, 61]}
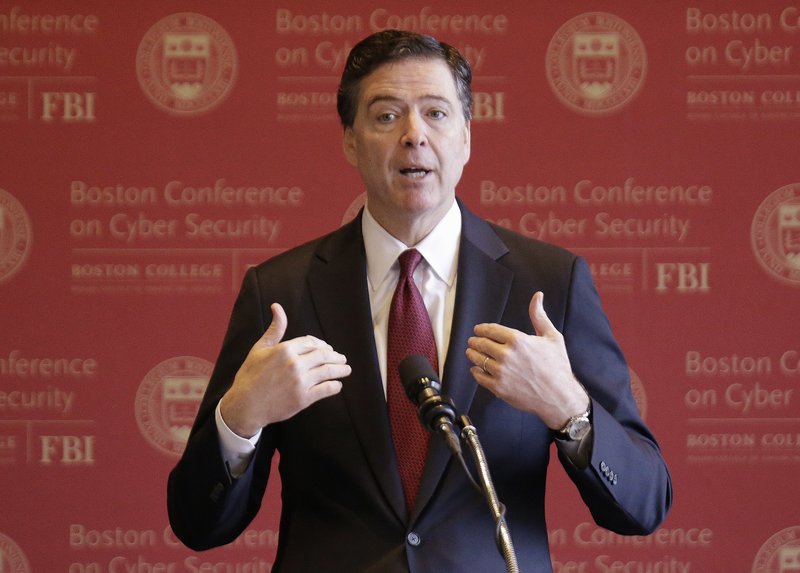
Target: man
{"type": "Point", "coordinates": [521, 341]}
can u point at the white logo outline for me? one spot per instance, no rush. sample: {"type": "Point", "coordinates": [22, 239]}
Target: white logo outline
{"type": "Point", "coordinates": [775, 234]}
{"type": "Point", "coordinates": [167, 401]}
{"type": "Point", "coordinates": [186, 64]}
{"type": "Point", "coordinates": [16, 236]}
{"type": "Point", "coordinates": [596, 63]}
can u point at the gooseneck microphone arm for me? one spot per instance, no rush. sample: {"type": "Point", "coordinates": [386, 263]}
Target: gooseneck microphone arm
{"type": "Point", "coordinates": [502, 534]}
{"type": "Point", "coordinates": [437, 414]}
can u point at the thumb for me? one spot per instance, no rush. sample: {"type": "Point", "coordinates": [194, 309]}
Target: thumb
{"type": "Point", "coordinates": [277, 328]}
{"type": "Point", "coordinates": [539, 319]}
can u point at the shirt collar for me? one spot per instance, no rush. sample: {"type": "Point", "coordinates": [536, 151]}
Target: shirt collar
{"type": "Point", "coordinates": [439, 247]}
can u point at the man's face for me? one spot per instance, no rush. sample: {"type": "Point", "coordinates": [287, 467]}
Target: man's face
{"type": "Point", "coordinates": [410, 142]}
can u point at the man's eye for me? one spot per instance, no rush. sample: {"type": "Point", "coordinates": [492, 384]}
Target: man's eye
{"type": "Point", "coordinates": [437, 114]}
{"type": "Point", "coordinates": [387, 117]}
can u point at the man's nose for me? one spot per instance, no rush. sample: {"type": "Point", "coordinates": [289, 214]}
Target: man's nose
{"type": "Point", "coordinates": [414, 133]}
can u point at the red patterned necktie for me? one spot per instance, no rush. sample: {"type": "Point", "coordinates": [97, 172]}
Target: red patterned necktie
{"type": "Point", "coordinates": [410, 332]}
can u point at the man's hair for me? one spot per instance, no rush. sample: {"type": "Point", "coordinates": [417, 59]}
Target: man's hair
{"type": "Point", "coordinates": [392, 46]}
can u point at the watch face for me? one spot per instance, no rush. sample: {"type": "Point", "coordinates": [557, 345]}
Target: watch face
{"type": "Point", "coordinates": [578, 429]}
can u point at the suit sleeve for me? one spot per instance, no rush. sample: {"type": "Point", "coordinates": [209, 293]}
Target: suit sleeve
{"type": "Point", "coordinates": [206, 506]}
{"type": "Point", "coordinates": [626, 484]}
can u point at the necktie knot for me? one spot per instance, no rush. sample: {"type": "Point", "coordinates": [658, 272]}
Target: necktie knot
{"type": "Point", "coordinates": [409, 260]}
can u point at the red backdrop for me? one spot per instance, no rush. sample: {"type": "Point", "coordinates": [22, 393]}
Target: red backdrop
{"type": "Point", "coordinates": [151, 151]}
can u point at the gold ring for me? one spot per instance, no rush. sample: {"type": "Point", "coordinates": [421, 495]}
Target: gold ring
{"type": "Point", "coordinates": [485, 360]}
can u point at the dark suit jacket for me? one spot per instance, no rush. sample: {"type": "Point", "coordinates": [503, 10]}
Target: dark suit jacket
{"type": "Point", "coordinates": [342, 502]}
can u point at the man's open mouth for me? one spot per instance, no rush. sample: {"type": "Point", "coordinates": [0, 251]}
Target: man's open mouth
{"type": "Point", "coordinates": [415, 172]}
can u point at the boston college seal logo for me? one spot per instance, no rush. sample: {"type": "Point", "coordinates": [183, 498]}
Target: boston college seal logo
{"type": "Point", "coordinates": [186, 64]}
{"type": "Point", "coordinates": [780, 553]}
{"type": "Point", "coordinates": [775, 234]}
{"type": "Point", "coordinates": [12, 559]}
{"type": "Point", "coordinates": [596, 63]}
{"type": "Point", "coordinates": [15, 235]}
{"type": "Point", "coordinates": [168, 399]}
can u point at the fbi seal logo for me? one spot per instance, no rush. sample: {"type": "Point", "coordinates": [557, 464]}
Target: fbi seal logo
{"type": "Point", "coordinates": [168, 399]}
{"type": "Point", "coordinates": [15, 236]}
{"type": "Point", "coordinates": [775, 234]}
{"type": "Point", "coordinates": [780, 553]}
{"type": "Point", "coordinates": [186, 64]}
{"type": "Point", "coordinates": [12, 559]}
{"type": "Point", "coordinates": [596, 63]}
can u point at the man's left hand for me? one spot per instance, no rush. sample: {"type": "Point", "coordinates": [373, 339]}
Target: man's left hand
{"type": "Point", "coordinates": [530, 372]}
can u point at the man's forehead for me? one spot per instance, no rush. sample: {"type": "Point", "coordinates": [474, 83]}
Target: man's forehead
{"type": "Point", "coordinates": [430, 77]}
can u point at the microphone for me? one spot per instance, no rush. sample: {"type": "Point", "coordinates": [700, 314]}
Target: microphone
{"type": "Point", "coordinates": [436, 412]}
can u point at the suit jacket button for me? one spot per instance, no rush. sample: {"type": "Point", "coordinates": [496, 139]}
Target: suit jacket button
{"type": "Point", "coordinates": [413, 539]}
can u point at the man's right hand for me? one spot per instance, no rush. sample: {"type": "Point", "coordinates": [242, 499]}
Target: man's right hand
{"type": "Point", "coordinates": [279, 379]}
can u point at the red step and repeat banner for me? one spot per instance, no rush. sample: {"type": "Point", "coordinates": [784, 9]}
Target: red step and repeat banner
{"type": "Point", "coordinates": [151, 151]}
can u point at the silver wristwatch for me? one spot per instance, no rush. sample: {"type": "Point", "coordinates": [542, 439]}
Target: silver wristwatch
{"type": "Point", "coordinates": [576, 427]}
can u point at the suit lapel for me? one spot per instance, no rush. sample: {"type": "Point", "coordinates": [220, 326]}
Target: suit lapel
{"type": "Point", "coordinates": [482, 291]}
{"type": "Point", "coordinates": [338, 286]}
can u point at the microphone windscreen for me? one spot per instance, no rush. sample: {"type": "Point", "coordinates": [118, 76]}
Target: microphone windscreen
{"type": "Point", "coordinates": [413, 369]}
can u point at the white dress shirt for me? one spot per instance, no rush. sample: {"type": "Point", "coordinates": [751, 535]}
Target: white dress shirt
{"type": "Point", "coordinates": [435, 278]}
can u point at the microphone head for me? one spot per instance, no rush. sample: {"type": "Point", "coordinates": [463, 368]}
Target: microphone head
{"type": "Point", "coordinates": [417, 374]}
{"type": "Point", "coordinates": [422, 387]}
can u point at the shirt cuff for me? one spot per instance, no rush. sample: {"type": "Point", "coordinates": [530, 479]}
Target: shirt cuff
{"type": "Point", "coordinates": [236, 450]}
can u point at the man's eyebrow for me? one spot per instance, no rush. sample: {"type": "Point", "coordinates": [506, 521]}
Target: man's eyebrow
{"type": "Point", "coordinates": [379, 98]}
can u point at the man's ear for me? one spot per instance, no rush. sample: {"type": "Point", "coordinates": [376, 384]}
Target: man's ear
{"type": "Point", "coordinates": [349, 146]}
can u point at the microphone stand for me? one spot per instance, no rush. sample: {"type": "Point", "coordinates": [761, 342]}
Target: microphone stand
{"type": "Point", "coordinates": [437, 413]}
{"type": "Point", "coordinates": [470, 436]}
